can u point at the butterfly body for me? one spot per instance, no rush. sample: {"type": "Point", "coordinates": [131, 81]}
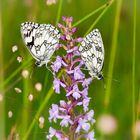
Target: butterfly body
{"type": "Point", "coordinates": [92, 53]}
{"type": "Point", "coordinates": [41, 40]}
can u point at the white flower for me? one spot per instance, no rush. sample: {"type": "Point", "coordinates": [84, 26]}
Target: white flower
{"type": "Point", "coordinates": [38, 86]}
{"type": "Point", "coordinates": [18, 90]}
{"type": "Point", "coordinates": [107, 124]}
{"type": "Point", "coordinates": [50, 2]}
{"type": "Point", "coordinates": [25, 73]}
{"type": "Point", "coordinates": [10, 114]}
{"type": "Point", "coordinates": [14, 48]}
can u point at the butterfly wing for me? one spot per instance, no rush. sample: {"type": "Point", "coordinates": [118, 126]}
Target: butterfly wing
{"type": "Point", "coordinates": [40, 40]}
{"type": "Point", "coordinates": [92, 52]}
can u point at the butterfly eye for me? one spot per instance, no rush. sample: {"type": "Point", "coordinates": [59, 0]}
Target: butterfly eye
{"type": "Point", "coordinates": [100, 76]}
{"type": "Point", "coordinates": [38, 63]}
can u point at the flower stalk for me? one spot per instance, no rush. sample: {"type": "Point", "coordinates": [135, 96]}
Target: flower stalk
{"type": "Point", "coordinates": [74, 124]}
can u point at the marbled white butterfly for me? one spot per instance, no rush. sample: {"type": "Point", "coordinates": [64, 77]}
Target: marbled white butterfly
{"type": "Point", "coordinates": [41, 40]}
{"type": "Point", "coordinates": [92, 53]}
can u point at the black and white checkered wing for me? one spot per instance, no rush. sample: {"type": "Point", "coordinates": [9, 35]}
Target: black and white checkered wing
{"type": "Point", "coordinates": [41, 40]}
{"type": "Point", "coordinates": [92, 53]}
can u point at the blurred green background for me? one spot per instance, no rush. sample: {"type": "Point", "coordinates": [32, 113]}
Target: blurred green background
{"type": "Point", "coordinates": [113, 105]}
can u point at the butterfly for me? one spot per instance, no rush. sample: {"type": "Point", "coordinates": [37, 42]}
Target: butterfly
{"type": "Point", "coordinates": [41, 40]}
{"type": "Point", "coordinates": [92, 53]}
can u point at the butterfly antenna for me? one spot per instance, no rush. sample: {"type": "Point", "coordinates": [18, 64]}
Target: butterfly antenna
{"type": "Point", "coordinates": [115, 80]}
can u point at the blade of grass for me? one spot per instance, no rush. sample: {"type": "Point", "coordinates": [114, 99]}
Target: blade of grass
{"type": "Point", "coordinates": [47, 98]}
{"type": "Point", "coordinates": [14, 73]}
{"type": "Point", "coordinates": [90, 14]}
{"type": "Point", "coordinates": [27, 82]}
{"type": "Point", "coordinates": [9, 87]}
{"type": "Point", "coordinates": [59, 11]}
{"type": "Point", "coordinates": [35, 132]}
{"type": "Point", "coordinates": [133, 72]}
{"type": "Point", "coordinates": [113, 52]}
{"type": "Point", "coordinates": [46, 81]}
{"type": "Point", "coordinates": [25, 114]}
{"type": "Point", "coordinates": [5, 67]}
{"type": "Point", "coordinates": [2, 108]}
{"type": "Point", "coordinates": [100, 16]}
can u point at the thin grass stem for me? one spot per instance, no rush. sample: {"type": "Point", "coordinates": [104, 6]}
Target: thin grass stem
{"type": "Point", "coordinates": [48, 96]}
{"type": "Point", "coordinates": [2, 108]}
{"type": "Point", "coordinates": [90, 14]}
{"type": "Point", "coordinates": [99, 17]}
{"type": "Point", "coordinates": [42, 96]}
{"type": "Point", "coordinates": [133, 72]}
{"type": "Point", "coordinates": [25, 114]}
{"type": "Point", "coordinates": [113, 52]}
{"type": "Point", "coordinates": [59, 11]}
{"type": "Point", "coordinates": [14, 73]}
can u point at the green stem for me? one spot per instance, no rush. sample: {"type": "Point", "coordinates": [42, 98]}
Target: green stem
{"type": "Point", "coordinates": [72, 134]}
{"type": "Point", "coordinates": [45, 84]}
{"type": "Point", "coordinates": [27, 82]}
{"type": "Point", "coordinates": [113, 52]}
{"type": "Point", "coordinates": [25, 114]}
{"type": "Point", "coordinates": [14, 73]}
{"type": "Point", "coordinates": [2, 108]}
{"type": "Point", "coordinates": [59, 11]}
{"type": "Point", "coordinates": [99, 17]}
{"type": "Point", "coordinates": [90, 14]}
{"type": "Point", "coordinates": [133, 73]}
{"type": "Point", "coordinates": [47, 98]}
